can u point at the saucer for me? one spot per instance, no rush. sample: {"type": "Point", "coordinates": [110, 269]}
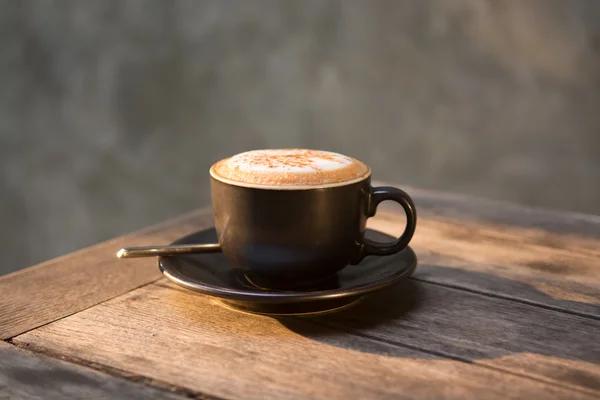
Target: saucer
{"type": "Point", "coordinates": [213, 275]}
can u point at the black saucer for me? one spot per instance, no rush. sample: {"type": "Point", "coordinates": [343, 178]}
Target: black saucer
{"type": "Point", "coordinates": [213, 275]}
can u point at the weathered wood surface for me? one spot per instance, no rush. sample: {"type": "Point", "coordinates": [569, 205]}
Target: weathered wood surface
{"type": "Point", "coordinates": [461, 207]}
{"type": "Point", "coordinates": [35, 296]}
{"type": "Point", "coordinates": [505, 303]}
{"type": "Point", "coordinates": [503, 334]}
{"type": "Point", "coordinates": [166, 333]}
{"type": "Point", "coordinates": [563, 273]}
{"type": "Point", "coordinates": [448, 225]}
{"type": "Point", "coordinates": [24, 375]}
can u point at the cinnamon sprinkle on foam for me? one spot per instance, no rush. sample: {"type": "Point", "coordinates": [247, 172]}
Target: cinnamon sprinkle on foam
{"type": "Point", "coordinates": [289, 168]}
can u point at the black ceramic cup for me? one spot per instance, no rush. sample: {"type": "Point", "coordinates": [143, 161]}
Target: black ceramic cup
{"type": "Point", "coordinates": [302, 235]}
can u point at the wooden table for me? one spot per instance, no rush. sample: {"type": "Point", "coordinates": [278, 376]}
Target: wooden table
{"type": "Point", "coordinates": [505, 303]}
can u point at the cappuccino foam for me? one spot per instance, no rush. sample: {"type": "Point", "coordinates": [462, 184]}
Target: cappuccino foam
{"type": "Point", "coordinates": [289, 169]}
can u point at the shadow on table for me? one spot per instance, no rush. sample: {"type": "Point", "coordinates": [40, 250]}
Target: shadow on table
{"type": "Point", "coordinates": [428, 320]}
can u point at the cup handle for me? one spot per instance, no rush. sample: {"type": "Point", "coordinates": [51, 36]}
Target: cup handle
{"type": "Point", "coordinates": [378, 195]}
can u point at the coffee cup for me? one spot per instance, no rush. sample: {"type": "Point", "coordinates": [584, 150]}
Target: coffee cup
{"type": "Point", "coordinates": [297, 215]}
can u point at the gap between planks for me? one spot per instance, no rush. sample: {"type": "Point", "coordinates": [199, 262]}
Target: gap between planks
{"type": "Point", "coordinates": [499, 296]}
{"type": "Point", "coordinates": [52, 290]}
{"type": "Point", "coordinates": [9, 339]}
{"type": "Point", "coordinates": [188, 393]}
{"type": "Point", "coordinates": [26, 374]}
{"type": "Point", "coordinates": [201, 302]}
{"type": "Point", "coordinates": [25, 312]}
{"type": "Point", "coordinates": [563, 274]}
{"type": "Point", "coordinates": [112, 371]}
{"type": "Point", "coordinates": [359, 323]}
{"type": "Point", "coordinates": [459, 359]}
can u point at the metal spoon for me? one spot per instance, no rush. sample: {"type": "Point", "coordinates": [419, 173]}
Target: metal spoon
{"type": "Point", "coordinates": [173, 250]}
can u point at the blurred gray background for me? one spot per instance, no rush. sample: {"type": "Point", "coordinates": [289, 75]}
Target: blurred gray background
{"type": "Point", "coordinates": [111, 112]}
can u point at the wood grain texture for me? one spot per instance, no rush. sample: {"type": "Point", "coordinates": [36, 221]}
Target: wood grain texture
{"type": "Point", "coordinates": [24, 375]}
{"type": "Point", "coordinates": [555, 270]}
{"type": "Point", "coordinates": [512, 290]}
{"type": "Point", "coordinates": [517, 338]}
{"type": "Point", "coordinates": [485, 211]}
{"type": "Point", "coordinates": [558, 256]}
{"type": "Point", "coordinates": [35, 296]}
{"type": "Point", "coordinates": [477, 244]}
{"type": "Point", "coordinates": [166, 333]}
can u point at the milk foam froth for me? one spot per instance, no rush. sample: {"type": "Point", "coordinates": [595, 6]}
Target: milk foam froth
{"type": "Point", "coordinates": [293, 168]}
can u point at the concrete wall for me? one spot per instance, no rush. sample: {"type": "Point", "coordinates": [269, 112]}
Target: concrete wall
{"type": "Point", "coordinates": [111, 112]}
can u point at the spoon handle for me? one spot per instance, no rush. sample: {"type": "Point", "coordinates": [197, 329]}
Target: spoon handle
{"type": "Point", "coordinates": [154, 251]}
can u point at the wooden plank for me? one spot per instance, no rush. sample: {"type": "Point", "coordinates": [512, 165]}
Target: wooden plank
{"type": "Point", "coordinates": [518, 338]}
{"type": "Point", "coordinates": [554, 267]}
{"type": "Point", "coordinates": [35, 296]}
{"type": "Point", "coordinates": [24, 375]}
{"type": "Point", "coordinates": [163, 332]}
{"type": "Point", "coordinates": [460, 207]}
{"type": "Point", "coordinates": [544, 268]}
{"type": "Point", "coordinates": [62, 286]}
{"type": "Point", "coordinates": [579, 298]}
{"type": "Point", "coordinates": [545, 257]}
